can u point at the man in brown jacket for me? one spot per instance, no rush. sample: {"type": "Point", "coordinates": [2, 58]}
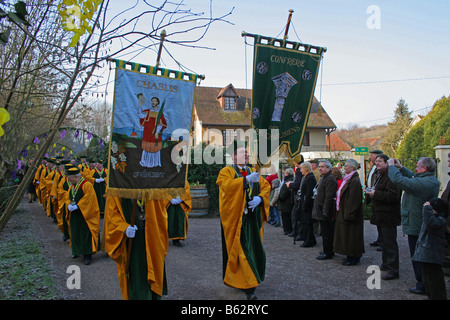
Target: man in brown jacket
{"type": "Point", "coordinates": [385, 199]}
{"type": "Point", "coordinates": [324, 208]}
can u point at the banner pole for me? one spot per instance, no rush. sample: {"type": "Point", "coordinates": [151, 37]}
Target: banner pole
{"type": "Point", "coordinates": [288, 24]}
{"type": "Point", "coordinates": [163, 35]}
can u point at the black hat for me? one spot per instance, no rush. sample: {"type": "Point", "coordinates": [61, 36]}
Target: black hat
{"type": "Point", "coordinates": [73, 171]}
{"type": "Point", "coordinates": [439, 205]}
{"type": "Point", "coordinates": [376, 151]}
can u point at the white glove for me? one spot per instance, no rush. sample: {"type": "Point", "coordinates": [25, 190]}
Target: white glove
{"type": "Point", "coordinates": [131, 231]}
{"type": "Point", "coordinates": [72, 207]}
{"type": "Point", "coordinates": [37, 182]}
{"type": "Point", "coordinates": [176, 201]}
{"type": "Point", "coordinates": [253, 177]}
{"type": "Point", "coordinates": [252, 204]}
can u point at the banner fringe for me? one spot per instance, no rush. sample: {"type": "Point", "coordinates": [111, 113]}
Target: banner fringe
{"type": "Point", "coordinates": [148, 194]}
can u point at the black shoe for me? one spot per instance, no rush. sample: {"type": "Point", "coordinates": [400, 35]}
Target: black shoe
{"type": "Point", "coordinates": [379, 248]}
{"type": "Point", "coordinates": [307, 245]}
{"type": "Point", "coordinates": [350, 262]}
{"type": "Point", "coordinates": [277, 224]}
{"type": "Point", "coordinates": [291, 235]}
{"type": "Point", "coordinates": [74, 256]}
{"type": "Point", "coordinates": [375, 243]}
{"type": "Point", "coordinates": [324, 256]}
{"type": "Point", "coordinates": [416, 291]}
{"type": "Point", "coordinates": [87, 259]}
{"type": "Point", "coordinates": [251, 296]}
{"type": "Point", "coordinates": [177, 243]}
{"type": "Point", "coordinates": [390, 276]}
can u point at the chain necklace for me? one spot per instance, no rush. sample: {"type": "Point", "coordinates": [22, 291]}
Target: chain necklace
{"type": "Point", "coordinates": [100, 172]}
{"type": "Point", "coordinates": [76, 190]}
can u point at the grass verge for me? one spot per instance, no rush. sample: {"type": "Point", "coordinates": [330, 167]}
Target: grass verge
{"type": "Point", "coordinates": [24, 272]}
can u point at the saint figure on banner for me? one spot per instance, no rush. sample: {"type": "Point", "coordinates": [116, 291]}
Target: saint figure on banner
{"type": "Point", "coordinates": [152, 135]}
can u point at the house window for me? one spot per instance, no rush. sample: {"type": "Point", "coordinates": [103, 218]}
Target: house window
{"type": "Point", "coordinates": [306, 142]}
{"type": "Point", "coordinates": [228, 136]}
{"type": "Point", "coordinates": [229, 103]}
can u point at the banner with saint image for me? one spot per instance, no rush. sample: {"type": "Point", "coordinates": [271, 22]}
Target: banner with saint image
{"type": "Point", "coordinates": [284, 80]}
{"type": "Point", "coordinates": [150, 131]}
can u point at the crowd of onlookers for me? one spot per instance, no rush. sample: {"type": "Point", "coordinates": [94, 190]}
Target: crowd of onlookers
{"type": "Point", "coordinates": [313, 198]}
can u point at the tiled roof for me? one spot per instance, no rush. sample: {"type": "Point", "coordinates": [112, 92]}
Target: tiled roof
{"type": "Point", "coordinates": [337, 144]}
{"type": "Point", "coordinates": [210, 113]}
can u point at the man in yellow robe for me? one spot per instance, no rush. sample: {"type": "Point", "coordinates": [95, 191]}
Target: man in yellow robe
{"type": "Point", "coordinates": [177, 216]}
{"type": "Point", "coordinates": [83, 217]}
{"type": "Point", "coordinates": [98, 177]}
{"type": "Point", "coordinates": [63, 200]}
{"type": "Point", "coordinates": [54, 198]}
{"type": "Point", "coordinates": [37, 177]}
{"type": "Point", "coordinates": [45, 184]}
{"type": "Point", "coordinates": [142, 277]}
{"type": "Point", "coordinates": [244, 203]}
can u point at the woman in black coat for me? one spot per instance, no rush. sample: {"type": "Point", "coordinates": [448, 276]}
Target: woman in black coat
{"type": "Point", "coordinates": [307, 203]}
{"type": "Point", "coordinates": [349, 229]}
{"type": "Point", "coordinates": [285, 201]}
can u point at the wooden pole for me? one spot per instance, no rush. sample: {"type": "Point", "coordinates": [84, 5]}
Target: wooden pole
{"type": "Point", "coordinates": [158, 60]}
{"type": "Point", "coordinates": [288, 24]}
{"type": "Point", "coordinates": [130, 240]}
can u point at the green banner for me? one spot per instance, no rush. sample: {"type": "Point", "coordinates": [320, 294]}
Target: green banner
{"type": "Point", "coordinates": [284, 80]}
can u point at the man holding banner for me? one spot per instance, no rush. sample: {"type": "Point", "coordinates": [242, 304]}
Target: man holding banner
{"type": "Point", "coordinates": [142, 177]}
{"type": "Point", "coordinates": [244, 203]}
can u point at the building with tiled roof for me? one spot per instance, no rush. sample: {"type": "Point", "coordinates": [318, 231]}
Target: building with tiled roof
{"type": "Point", "coordinates": [219, 112]}
{"type": "Point", "coordinates": [337, 144]}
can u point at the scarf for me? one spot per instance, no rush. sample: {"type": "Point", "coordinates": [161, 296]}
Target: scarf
{"type": "Point", "coordinates": [344, 182]}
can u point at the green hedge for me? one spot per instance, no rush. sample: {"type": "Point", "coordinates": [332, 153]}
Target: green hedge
{"type": "Point", "coordinates": [200, 172]}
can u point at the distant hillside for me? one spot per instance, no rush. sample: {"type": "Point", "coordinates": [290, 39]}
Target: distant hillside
{"type": "Point", "coordinates": [356, 136]}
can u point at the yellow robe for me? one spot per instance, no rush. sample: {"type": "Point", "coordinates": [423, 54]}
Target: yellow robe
{"type": "Point", "coordinates": [238, 272]}
{"type": "Point", "coordinates": [89, 208]}
{"type": "Point", "coordinates": [156, 238]}
{"type": "Point", "coordinates": [37, 176]}
{"type": "Point", "coordinates": [55, 199]}
{"type": "Point", "coordinates": [49, 179]}
{"type": "Point", "coordinates": [63, 200]}
{"type": "Point", "coordinates": [186, 205]}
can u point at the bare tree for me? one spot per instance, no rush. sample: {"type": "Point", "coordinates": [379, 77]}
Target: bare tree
{"type": "Point", "coordinates": [137, 27]}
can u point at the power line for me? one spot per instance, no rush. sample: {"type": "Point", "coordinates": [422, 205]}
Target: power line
{"type": "Point", "coordinates": [392, 117]}
{"type": "Point", "coordinates": [384, 81]}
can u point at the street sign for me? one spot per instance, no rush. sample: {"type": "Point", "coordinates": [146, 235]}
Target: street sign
{"type": "Point", "coordinates": [361, 151]}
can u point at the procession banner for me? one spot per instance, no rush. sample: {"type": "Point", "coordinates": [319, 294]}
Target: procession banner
{"type": "Point", "coordinates": [284, 80]}
{"type": "Point", "coordinates": [151, 124]}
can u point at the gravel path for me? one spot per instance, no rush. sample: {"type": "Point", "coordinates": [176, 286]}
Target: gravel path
{"type": "Point", "coordinates": [194, 271]}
